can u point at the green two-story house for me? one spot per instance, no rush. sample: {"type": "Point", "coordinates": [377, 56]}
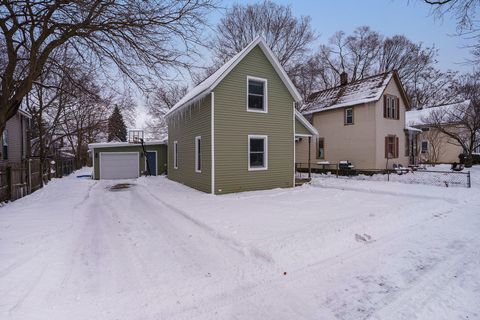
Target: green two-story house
{"type": "Point", "coordinates": [236, 130]}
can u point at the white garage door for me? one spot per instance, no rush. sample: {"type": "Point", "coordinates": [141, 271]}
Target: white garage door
{"type": "Point", "coordinates": [119, 165]}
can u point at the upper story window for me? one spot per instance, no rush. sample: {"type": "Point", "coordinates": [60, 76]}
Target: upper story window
{"type": "Point", "coordinates": [391, 107]}
{"type": "Point", "coordinates": [257, 153]}
{"type": "Point", "coordinates": [257, 94]}
{"type": "Point", "coordinates": [348, 116]}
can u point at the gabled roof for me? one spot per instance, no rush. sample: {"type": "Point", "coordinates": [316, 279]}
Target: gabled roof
{"type": "Point", "coordinates": [420, 117]}
{"type": "Point", "coordinates": [357, 92]}
{"type": "Point", "coordinates": [207, 86]}
{"type": "Point", "coordinates": [305, 123]}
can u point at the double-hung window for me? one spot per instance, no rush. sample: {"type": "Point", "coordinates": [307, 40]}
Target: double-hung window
{"type": "Point", "coordinates": [198, 154]}
{"type": "Point", "coordinates": [348, 116]}
{"type": "Point", "coordinates": [391, 107]}
{"type": "Point", "coordinates": [257, 94]}
{"type": "Point", "coordinates": [321, 148]}
{"type": "Point", "coordinates": [424, 146]}
{"type": "Point", "coordinates": [257, 152]}
{"type": "Point", "coordinates": [175, 155]}
{"type": "Point", "coordinates": [391, 147]}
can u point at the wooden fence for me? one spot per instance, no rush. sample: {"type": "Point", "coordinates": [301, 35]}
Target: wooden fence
{"type": "Point", "coordinates": [19, 179]}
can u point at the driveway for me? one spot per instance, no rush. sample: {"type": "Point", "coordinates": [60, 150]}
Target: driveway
{"type": "Point", "coordinates": [159, 250]}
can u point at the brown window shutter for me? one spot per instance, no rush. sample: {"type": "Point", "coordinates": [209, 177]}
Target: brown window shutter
{"type": "Point", "coordinates": [396, 147]}
{"type": "Point", "coordinates": [398, 108]}
{"type": "Point", "coordinates": [384, 106]}
{"type": "Point", "coordinates": [386, 147]}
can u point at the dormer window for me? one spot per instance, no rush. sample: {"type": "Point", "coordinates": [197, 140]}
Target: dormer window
{"type": "Point", "coordinates": [257, 94]}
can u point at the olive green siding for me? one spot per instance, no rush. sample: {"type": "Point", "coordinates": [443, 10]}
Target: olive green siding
{"type": "Point", "coordinates": [161, 157]}
{"type": "Point", "coordinates": [301, 129]}
{"type": "Point", "coordinates": [183, 127]}
{"type": "Point", "coordinates": [233, 124]}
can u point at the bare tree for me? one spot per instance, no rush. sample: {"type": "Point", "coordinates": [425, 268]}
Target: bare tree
{"type": "Point", "coordinates": [436, 145]}
{"type": "Point", "coordinates": [311, 75]}
{"type": "Point", "coordinates": [289, 37]}
{"type": "Point", "coordinates": [163, 99]}
{"type": "Point", "coordinates": [465, 12]}
{"type": "Point", "coordinates": [430, 86]}
{"type": "Point", "coordinates": [65, 85]}
{"type": "Point", "coordinates": [461, 121]}
{"type": "Point", "coordinates": [366, 52]}
{"type": "Point", "coordinates": [355, 54]}
{"type": "Point", "coordinates": [138, 37]}
{"type": "Point", "coordinates": [84, 118]}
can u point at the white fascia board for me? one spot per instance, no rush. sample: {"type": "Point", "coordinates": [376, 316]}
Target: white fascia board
{"type": "Point", "coordinates": [305, 122]}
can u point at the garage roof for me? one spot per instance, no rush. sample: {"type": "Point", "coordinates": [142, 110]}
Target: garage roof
{"type": "Point", "coordinates": [124, 144]}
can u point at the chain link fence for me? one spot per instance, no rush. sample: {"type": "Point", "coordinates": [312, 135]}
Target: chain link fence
{"type": "Point", "coordinates": [428, 177]}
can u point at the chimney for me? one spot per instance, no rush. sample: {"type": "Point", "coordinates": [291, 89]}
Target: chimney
{"type": "Point", "coordinates": [343, 78]}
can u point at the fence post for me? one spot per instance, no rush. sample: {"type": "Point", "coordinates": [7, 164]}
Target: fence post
{"type": "Point", "coordinates": [8, 171]}
{"type": "Point", "coordinates": [29, 189]}
{"type": "Point", "coordinates": [469, 182]}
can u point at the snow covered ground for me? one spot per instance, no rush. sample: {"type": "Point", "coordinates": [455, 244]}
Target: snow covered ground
{"type": "Point", "coordinates": [335, 249]}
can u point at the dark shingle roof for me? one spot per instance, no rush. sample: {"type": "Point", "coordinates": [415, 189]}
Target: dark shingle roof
{"type": "Point", "coordinates": [357, 92]}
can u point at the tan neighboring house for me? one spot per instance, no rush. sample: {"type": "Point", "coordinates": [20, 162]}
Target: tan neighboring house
{"type": "Point", "coordinates": [362, 122]}
{"type": "Point", "coordinates": [235, 131]}
{"type": "Point", "coordinates": [14, 142]}
{"type": "Point", "coordinates": [433, 146]}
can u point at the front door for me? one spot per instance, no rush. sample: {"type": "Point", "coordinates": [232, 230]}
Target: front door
{"type": "Point", "coordinates": [152, 162]}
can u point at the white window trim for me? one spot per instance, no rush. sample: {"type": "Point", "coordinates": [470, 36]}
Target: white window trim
{"type": "Point", "coordinates": [198, 138]}
{"type": "Point", "coordinates": [175, 152]}
{"type": "Point", "coordinates": [265, 95]}
{"type": "Point", "coordinates": [265, 138]}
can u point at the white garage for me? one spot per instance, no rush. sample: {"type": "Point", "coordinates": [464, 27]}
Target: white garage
{"type": "Point", "coordinates": [119, 165]}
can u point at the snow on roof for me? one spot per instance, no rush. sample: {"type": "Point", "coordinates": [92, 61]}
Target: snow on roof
{"type": "Point", "coordinates": [420, 117]}
{"type": "Point", "coordinates": [24, 112]}
{"type": "Point", "coordinates": [123, 144]}
{"type": "Point", "coordinates": [412, 129]}
{"type": "Point", "coordinates": [207, 85]}
{"type": "Point", "coordinates": [357, 92]}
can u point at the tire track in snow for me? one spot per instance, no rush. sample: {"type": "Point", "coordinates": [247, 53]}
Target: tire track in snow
{"type": "Point", "coordinates": [244, 249]}
{"type": "Point", "coordinates": [299, 275]}
{"type": "Point", "coordinates": [424, 289]}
